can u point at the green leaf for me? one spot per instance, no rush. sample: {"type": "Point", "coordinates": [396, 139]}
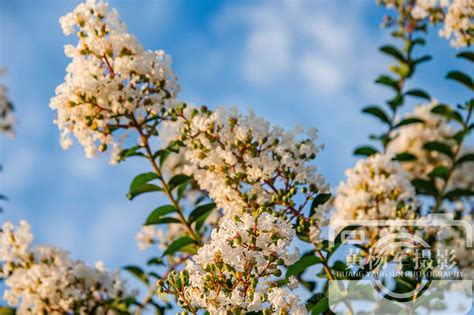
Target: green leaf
{"type": "Point", "coordinates": [142, 189]}
{"type": "Point", "coordinates": [458, 193]}
{"type": "Point", "coordinates": [418, 41]}
{"type": "Point", "coordinates": [162, 221]}
{"type": "Point", "coordinates": [200, 211]}
{"type": "Point", "coordinates": [159, 212]}
{"type": "Point", "coordinates": [409, 121]}
{"type": "Point", "coordinates": [425, 187]}
{"type": "Point", "coordinates": [177, 180]}
{"type": "Point", "coordinates": [177, 245]}
{"type": "Point", "coordinates": [422, 59]}
{"type": "Point", "coordinates": [462, 78]}
{"type": "Point", "coordinates": [403, 157]}
{"type": "Point", "coordinates": [469, 157]}
{"type": "Point", "coordinates": [321, 307]}
{"type": "Point", "coordinates": [468, 55]}
{"type": "Point", "coordinates": [133, 151]}
{"type": "Point", "coordinates": [7, 311]}
{"type": "Point", "coordinates": [365, 150]}
{"type": "Point", "coordinates": [301, 265]}
{"type": "Point", "coordinates": [392, 51]}
{"type": "Point", "coordinates": [164, 155]}
{"type": "Point", "coordinates": [419, 93]}
{"type": "Point", "coordinates": [377, 112]}
{"type": "Point", "coordinates": [438, 147]}
{"type": "Point", "coordinates": [440, 171]}
{"type": "Point", "coordinates": [137, 272]}
{"type": "Point", "coordinates": [396, 102]}
{"type": "Point", "coordinates": [388, 81]}
{"type": "Point", "coordinates": [319, 200]}
{"type": "Point", "coordinates": [447, 112]}
{"type": "Point", "coordinates": [141, 180]}
{"type": "Point", "coordinates": [154, 261]}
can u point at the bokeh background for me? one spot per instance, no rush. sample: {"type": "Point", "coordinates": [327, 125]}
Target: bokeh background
{"type": "Point", "coordinates": [294, 62]}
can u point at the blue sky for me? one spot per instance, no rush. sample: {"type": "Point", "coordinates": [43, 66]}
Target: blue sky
{"type": "Point", "coordinates": [294, 62]}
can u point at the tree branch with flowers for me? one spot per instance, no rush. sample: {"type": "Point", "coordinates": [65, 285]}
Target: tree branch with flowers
{"type": "Point", "coordinates": [243, 227]}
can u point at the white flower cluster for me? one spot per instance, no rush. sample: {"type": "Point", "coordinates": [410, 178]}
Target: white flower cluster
{"type": "Point", "coordinates": [232, 272]}
{"type": "Point", "coordinates": [244, 163]}
{"type": "Point", "coordinates": [7, 118]}
{"type": "Point", "coordinates": [458, 22]}
{"type": "Point", "coordinates": [457, 16]}
{"type": "Point", "coordinates": [377, 188]}
{"type": "Point", "coordinates": [44, 279]}
{"type": "Point", "coordinates": [411, 139]}
{"type": "Point", "coordinates": [152, 235]}
{"type": "Point", "coordinates": [112, 82]}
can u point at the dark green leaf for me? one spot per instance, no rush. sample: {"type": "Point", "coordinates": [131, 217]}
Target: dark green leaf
{"type": "Point", "coordinates": [469, 157]}
{"type": "Point", "coordinates": [438, 147]}
{"type": "Point", "coordinates": [7, 311]}
{"type": "Point", "coordinates": [396, 102]}
{"type": "Point", "coordinates": [462, 78]}
{"type": "Point", "coordinates": [321, 307]}
{"type": "Point", "coordinates": [422, 59]}
{"type": "Point", "coordinates": [133, 151]}
{"type": "Point", "coordinates": [468, 55]}
{"type": "Point", "coordinates": [404, 157]}
{"type": "Point", "coordinates": [200, 211]}
{"type": "Point", "coordinates": [418, 41]}
{"type": "Point", "coordinates": [388, 81]}
{"type": "Point", "coordinates": [447, 112]}
{"type": "Point", "coordinates": [177, 245]}
{"type": "Point", "coordinates": [177, 180]}
{"type": "Point", "coordinates": [142, 189]}
{"type": "Point", "coordinates": [458, 193]}
{"type": "Point", "coordinates": [339, 266]}
{"type": "Point", "coordinates": [164, 155]}
{"type": "Point", "coordinates": [392, 51]}
{"type": "Point", "coordinates": [425, 187]}
{"type": "Point", "coordinates": [377, 112]}
{"type": "Point", "coordinates": [301, 265]}
{"type": "Point", "coordinates": [365, 150]}
{"type": "Point", "coordinates": [137, 272]}
{"type": "Point", "coordinates": [418, 93]}
{"type": "Point", "coordinates": [159, 212]}
{"type": "Point", "coordinates": [409, 121]}
{"type": "Point", "coordinates": [155, 261]}
{"type": "Point", "coordinates": [162, 221]}
{"type": "Point", "coordinates": [142, 179]}
{"type": "Point", "coordinates": [319, 200]}
{"type": "Point", "coordinates": [440, 171]}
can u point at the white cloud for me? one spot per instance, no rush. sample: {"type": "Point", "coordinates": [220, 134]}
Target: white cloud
{"type": "Point", "coordinates": [266, 55]}
{"type": "Point", "coordinates": [321, 75]}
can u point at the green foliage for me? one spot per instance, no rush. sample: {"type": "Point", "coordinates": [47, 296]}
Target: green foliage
{"type": "Point", "coordinates": [301, 265]}
{"type": "Point", "coordinates": [137, 272]}
{"type": "Point", "coordinates": [365, 150]}
{"type": "Point", "coordinates": [178, 245]}
{"type": "Point", "coordinates": [158, 213]}
{"type": "Point", "coordinates": [140, 185]}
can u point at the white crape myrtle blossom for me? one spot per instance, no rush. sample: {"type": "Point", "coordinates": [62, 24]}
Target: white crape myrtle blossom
{"type": "Point", "coordinates": [153, 235]}
{"type": "Point", "coordinates": [7, 117]}
{"type": "Point", "coordinates": [411, 139]}
{"type": "Point", "coordinates": [458, 22]}
{"type": "Point", "coordinates": [245, 163]}
{"type": "Point", "coordinates": [44, 279]}
{"type": "Point", "coordinates": [456, 16]}
{"type": "Point", "coordinates": [377, 188]}
{"type": "Point", "coordinates": [112, 83]}
{"type": "Point", "coordinates": [233, 271]}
